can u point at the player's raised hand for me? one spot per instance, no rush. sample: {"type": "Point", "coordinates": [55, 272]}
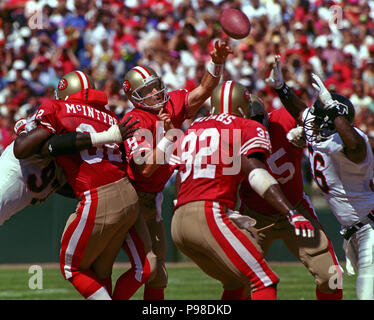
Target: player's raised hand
{"type": "Point", "coordinates": [220, 52]}
{"type": "Point", "coordinates": [323, 93]}
{"type": "Point", "coordinates": [127, 130]}
{"type": "Point", "coordinates": [164, 116]}
{"type": "Point", "coordinates": [303, 226]}
{"type": "Point", "coordinates": [275, 78]}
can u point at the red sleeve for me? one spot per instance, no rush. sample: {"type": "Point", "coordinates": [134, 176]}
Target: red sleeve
{"type": "Point", "coordinates": [178, 102]}
{"type": "Point", "coordinates": [284, 118]}
{"type": "Point", "coordinates": [139, 143]}
{"type": "Point", "coordinates": [255, 138]}
{"type": "Point", "coordinates": [46, 117]}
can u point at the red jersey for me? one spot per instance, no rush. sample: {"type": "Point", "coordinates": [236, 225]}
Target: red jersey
{"type": "Point", "coordinates": [210, 156]}
{"type": "Point", "coordinates": [96, 166]}
{"type": "Point", "coordinates": [284, 164]}
{"type": "Point", "coordinates": [176, 107]}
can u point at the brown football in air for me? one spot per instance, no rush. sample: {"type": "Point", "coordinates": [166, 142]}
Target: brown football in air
{"type": "Point", "coordinates": [235, 23]}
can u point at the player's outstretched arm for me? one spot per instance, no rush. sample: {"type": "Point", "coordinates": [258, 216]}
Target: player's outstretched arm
{"type": "Point", "coordinates": [269, 189]}
{"type": "Point", "coordinates": [30, 143]}
{"type": "Point", "coordinates": [294, 105]}
{"type": "Point", "coordinates": [354, 145]}
{"type": "Point", "coordinates": [72, 142]}
{"type": "Point", "coordinates": [211, 79]}
{"type": "Point", "coordinates": [42, 142]}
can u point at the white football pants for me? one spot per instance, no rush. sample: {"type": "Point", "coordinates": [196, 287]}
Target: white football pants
{"type": "Point", "coordinates": [363, 245]}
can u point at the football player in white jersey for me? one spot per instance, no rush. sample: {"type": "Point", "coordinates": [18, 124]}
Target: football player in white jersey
{"type": "Point", "coordinates": [27, 181]}
{"type": "Point", "coordinates": [342, 163]}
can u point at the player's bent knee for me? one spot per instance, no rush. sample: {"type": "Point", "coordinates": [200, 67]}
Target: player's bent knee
{"type": "Point", "coordinates": [149, 273]}
{"type": "Point", "coordinates": [330, 281]}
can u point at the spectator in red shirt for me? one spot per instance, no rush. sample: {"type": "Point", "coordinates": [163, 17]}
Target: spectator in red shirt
{"type": "Point", "coordinates": [343, 85]}
{"type": "Point", "coordinates": [305, 52]}
{"type": "Point", "coordinates": [120, 39]}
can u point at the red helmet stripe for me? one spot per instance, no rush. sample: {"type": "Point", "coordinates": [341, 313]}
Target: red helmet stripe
{"type": "Point", "coordinates": [80, 79]}
{"type": "Point", "coordinates": [222, 100]}
{"type": "Point", "coordinates": [84, 78]}
{"type": "Point", "coordinates": [230, 96]}
{"type": "Point", "coordinates": [226, 93]}
{"type": "Point", "coordinates": [144, 72]}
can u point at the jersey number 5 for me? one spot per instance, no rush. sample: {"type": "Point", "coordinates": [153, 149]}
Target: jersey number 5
{"type": "Point", "coordinates": [281, 169]}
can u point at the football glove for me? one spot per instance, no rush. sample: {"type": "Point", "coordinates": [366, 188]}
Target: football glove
{"type": "Point", "coordinates": [333, 107]}
{"type": "Point", "coordinates": [296, 137]}
{"type": "Point", "coordinates": [302, 225]}
{"type": "Point", "coordinates": [323, 93]}
{"type": "Point", "coordinates": [275, 80]}
{"type": "Point", "coordinates": [20, 126]}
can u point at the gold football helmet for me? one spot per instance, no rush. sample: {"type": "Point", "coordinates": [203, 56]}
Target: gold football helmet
{"type": "Point", "coordinates": [71, 83]}
{"type": "Point", "coordinates": [233, 98]}
{"type": "Point", "coordinates": [145, 88]}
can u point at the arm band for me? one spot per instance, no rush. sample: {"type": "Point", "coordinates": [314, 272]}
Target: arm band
{"type": "Point", "coordinates": [112, 135]}
{"type": "Point", "coordinates": [215, 70]}
{"type": "Point", "coordinates": [63, 144]}
{"type": "Point", "coordinates": [284, 92]}
{"type": "Point", "coordinates": [261, 180]}
{"type": "Point", "coordinates": [166, 146]}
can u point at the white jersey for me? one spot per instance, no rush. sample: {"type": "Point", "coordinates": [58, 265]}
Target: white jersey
{"type": "Point", "coordinates": [26, 182]}
{"type": "Point", "coordinates": [347, 186]}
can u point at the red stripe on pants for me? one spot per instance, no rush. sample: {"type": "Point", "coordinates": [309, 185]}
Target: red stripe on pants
{"type": "Point", "coordinates": [74, 244]}
{"type": "Point", "coordinates": [240, 262]}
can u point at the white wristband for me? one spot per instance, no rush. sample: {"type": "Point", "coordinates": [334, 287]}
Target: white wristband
{"type": "Point", "coordinates": [165, 145]}
{"type": "Point", "coordinates": [261, 180]}
{"type": "Point", "coordinates": [112, 135]}
{"type": "Point", "coordinates": [216, 70]}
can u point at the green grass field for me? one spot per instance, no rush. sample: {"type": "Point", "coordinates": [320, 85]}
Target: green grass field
{"type": "Point", "coordinates": [186, 282]}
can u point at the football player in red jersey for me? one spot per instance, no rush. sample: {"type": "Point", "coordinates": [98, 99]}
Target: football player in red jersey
{"type": "Point", "coordinates": [91, 161]}
{"type": "Point", "coordinates": [153, 103]}
{"type": "Point", "coordinates": [217, 153]}
{"type": "Point", "coordinates": [284, 164]}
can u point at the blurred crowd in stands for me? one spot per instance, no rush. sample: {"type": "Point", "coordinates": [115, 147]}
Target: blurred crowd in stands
{"type": "Point", "coordinates": [42, 40]}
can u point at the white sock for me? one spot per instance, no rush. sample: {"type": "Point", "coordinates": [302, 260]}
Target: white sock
{"type": "Point", "coordinates": [100, 294]}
